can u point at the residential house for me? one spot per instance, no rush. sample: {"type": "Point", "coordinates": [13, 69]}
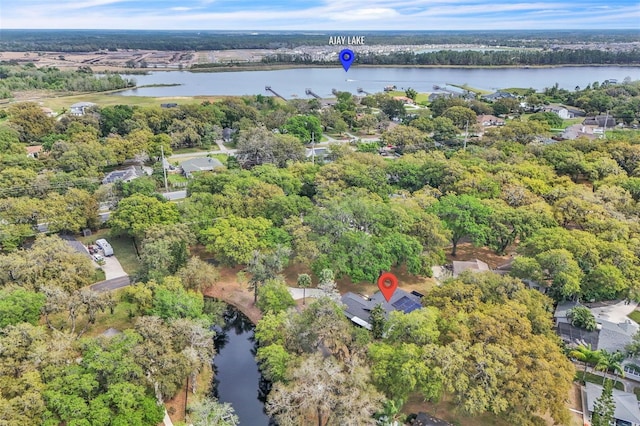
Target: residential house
{"type": "Point", "coordinates": [435, 95]}
{"type": "Point", "coordinates": [626, 411]}
{"type": "Point", "coordinates": [561, 111]}
{"type": "Point", "coordinates": [473, 266]}
{"type": "Point", "coordinates": [358, 308]}
{"type": "Point", "coordinates": [609, 335]}
{"type": "Point", "coordinates": [126, 175]}
{"type": "Point", "coordinates": [605, 121]}
{"type": "Point", "coordinates": [404, 99]}
{"type": "Point", "coordinates": [317, 154]}
{"type": "Point", "coordinates": [490, 120]}
{"type": "Point", "coordinates": [81, 108]}
{"type": "Point", "coordinates": [169, 105]}
{"type": "Point", "coordinates": [199, 164]}
{"type": "Point", "coordinates": [227, 134]}
{"type": "Point", "coordinates": [497, 95]}
{"type": "Point", "coordinates": [34, 151]}
{"type": "Point", "coordinates": [48, 111]}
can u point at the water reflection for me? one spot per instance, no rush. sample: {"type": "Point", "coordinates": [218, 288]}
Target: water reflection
{"type": "Point", "coordinates": [237, 379]}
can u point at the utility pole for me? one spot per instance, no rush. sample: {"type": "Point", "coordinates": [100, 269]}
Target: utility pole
{"type": "Point", "coordinates": [164, 170]}
{"type": "Point", "coordinates": [313, 148]}
{"type": "Point", "coordinates": [604, 129]}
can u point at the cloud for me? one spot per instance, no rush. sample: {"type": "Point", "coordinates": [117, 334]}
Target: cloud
{"type": "Point", "coordinates": [329, 15]}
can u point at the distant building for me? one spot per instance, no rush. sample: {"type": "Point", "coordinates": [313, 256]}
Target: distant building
{"type": "Point", "coordinates": [490, 120]}
{"type": "Point", "coordinates": [626, 412]}
{"type": "Point", "coordinates": [48, 111]}
{"type": "Point", "coordinates": [169, 105]}
{"type": "Point", "coordinates": [199, 164]}
{"type": "Point", "coordinates": [34, 151]}
{"type": "Point", "coordinates": [605, 121]}
{"type": "Point", "coordinates": [358, 308]}
{"type": "Point", "coordinates": [404, 99]}
{"type": "Point", "coordinates": [498, 95]}
{"type": "Point", "coordinates": [474, 266]}
{"type": "Point", "coordinates": [80, 108]}
{"type": "Point", "coordinates": [125, 175]}
{"type": "Point", "coordinates": [562, 112]}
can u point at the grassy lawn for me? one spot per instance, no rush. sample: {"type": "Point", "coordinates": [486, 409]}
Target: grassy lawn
{"type": "Point", "coordinates": [175, 179]}
{"type": "Point", "coordinates": [472, 89]}
{"type": "Point", "coordinates": [104, 99]}
{"type": "Point", "coordinates": [635, 315]}
{"type": "Point", "coordinates": [104, 320]}
{"type": "Point", "coordinates": [582, 377]}
{"type": "Point", "coordinates": [448, 410]}
{"type": "Point", "coordinates": [122, 248]}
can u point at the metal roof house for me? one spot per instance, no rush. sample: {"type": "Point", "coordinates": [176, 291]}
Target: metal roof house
{"type": "Point", "coordinates": [358, 308]}
{"type": "Point", "coordinates": [626, 412]}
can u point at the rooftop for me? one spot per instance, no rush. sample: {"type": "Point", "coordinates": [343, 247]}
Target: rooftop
{"type": "Point", "coordinates": [359, 308]}
{"type": "Point", "coordinates": [473, 266]}
{"type": "Point", "coordinates": [626, 403]}
{"type": "Point", "coordinates": [200, 164]}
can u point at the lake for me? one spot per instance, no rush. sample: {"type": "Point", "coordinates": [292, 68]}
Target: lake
{"type": "Point", "coordinates": [237, 379]}
{"type": "Point", "coordinates": [292, 83]}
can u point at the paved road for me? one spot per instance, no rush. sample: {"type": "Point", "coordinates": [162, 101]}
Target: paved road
{"type": "Point", "coordinates": [112, 284]}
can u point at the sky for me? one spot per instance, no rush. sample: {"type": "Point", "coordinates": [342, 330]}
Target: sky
{"type": "Point", "coordinates": [307, 15]}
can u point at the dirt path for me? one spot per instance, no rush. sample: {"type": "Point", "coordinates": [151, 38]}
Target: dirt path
{"type": "Point", "coordinates": [230, 291]}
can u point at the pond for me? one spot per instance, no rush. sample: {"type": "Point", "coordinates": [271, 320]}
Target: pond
{"type": "Point", "coordinates": [237, 379]}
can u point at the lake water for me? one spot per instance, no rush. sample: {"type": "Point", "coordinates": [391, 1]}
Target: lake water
{"type": "Point", "coordinates": [237, 379]}
{"type": "Point", "coordinates": [292, 83]}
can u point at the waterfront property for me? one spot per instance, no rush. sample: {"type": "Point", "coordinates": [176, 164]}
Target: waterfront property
{"type": "Point", "coordinates": [358, 308]}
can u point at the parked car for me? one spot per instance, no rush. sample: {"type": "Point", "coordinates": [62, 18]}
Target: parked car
{"type": "Point", "coordinates": [98, 258]}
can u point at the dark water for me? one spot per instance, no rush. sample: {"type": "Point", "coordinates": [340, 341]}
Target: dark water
{"type": "Point", "coordinates": [291, 83]}
{"type": "Point", "coordinates": [237, 379]}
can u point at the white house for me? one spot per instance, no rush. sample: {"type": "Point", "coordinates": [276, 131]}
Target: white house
{"type": "Point", "coordinates": [80, 108]}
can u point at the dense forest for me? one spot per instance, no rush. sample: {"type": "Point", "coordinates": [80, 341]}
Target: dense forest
{"type": "Point", "coordinates": [568, 211]}
{"type": "Point", "coordinates": [92, 40]}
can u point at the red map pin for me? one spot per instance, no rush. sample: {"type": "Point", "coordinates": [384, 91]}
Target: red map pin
{"type": "Point", "coordinates": [387, 283]}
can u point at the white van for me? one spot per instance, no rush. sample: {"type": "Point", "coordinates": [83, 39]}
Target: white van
{"type": "Point", "coordinates": [105, 246]}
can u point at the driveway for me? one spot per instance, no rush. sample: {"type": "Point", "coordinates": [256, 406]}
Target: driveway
{"type": "Point", "coordinates": [112, 284]}
{"type": "Point", "coordinates": [112, 268]}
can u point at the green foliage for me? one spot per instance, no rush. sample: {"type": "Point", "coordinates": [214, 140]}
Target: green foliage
{"type": "Point", "coordinates": [19, 305]}
{"type": "Point", "coordinates": [604, 407]}
{"type": "Point", "coordinates": [177, 303]}
{"type": "Point", "coordinates": [232, 240]}
{"type": "Point", "coordinates": [274, 296]}
{"type": "Point", "coordinates": [582, 317]}
{"type": "Point", "coordinates": [464, 216]}
{"type": "Point", "coordinates": [378, 321]}
{"type": "Point", "coordinates": [274, 362]}
{"type": "Point", "coordinates": [304, 127]}
{"type": "Point", "coordinates": [137, 213]}
{"type": "Point", "coordinates": [551, 118]}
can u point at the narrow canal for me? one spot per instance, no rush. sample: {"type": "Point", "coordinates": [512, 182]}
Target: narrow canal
{"type": "Point", "coordinates": [237, 379]}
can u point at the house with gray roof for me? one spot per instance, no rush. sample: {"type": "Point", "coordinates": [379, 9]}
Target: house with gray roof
{"type": "Point", "coordinates": [126, 175]}
{"type": "Point", "coordinates": [358, 308]}
{"type": "Point", "coordinates": [626, 412]}
{"type": "Point", "coordinates": [475, 265]}
{"type": "Point", "coordinates": [609, 335]}
{"type": "Point", "coordinates": [80, 108]}
{"type": "Point", "coordinates": [199, 164]}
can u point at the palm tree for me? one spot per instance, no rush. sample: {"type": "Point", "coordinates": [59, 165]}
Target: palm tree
{"type": "Point", "coordinates": [586, 355]}
{"type": "Point", "coordinates": [610, 361]}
